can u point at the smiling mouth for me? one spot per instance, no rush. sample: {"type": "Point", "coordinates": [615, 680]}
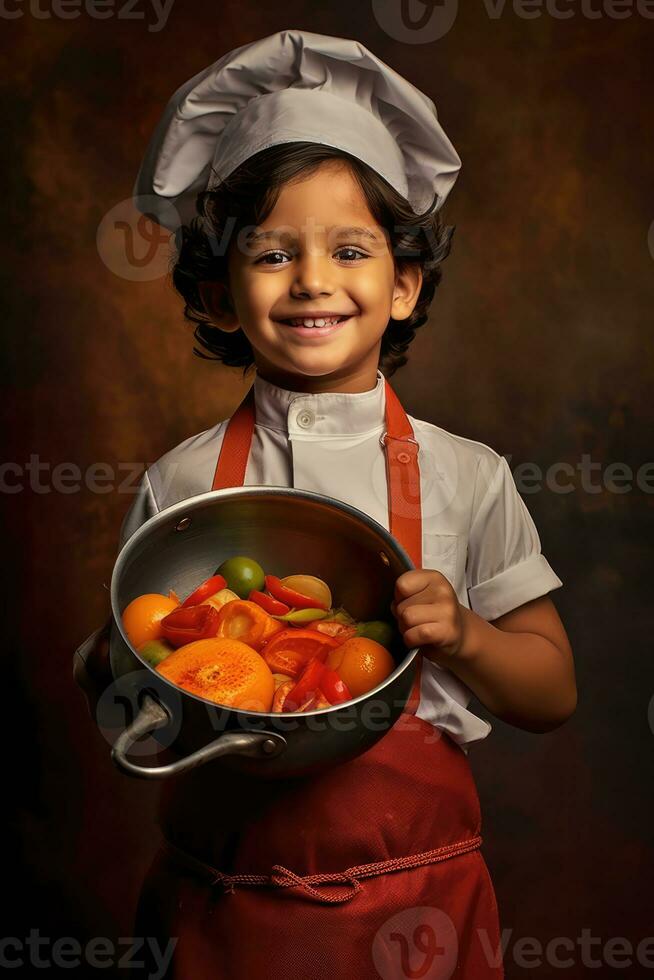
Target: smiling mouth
{"type": "Point", "coordinates": [315, 322]}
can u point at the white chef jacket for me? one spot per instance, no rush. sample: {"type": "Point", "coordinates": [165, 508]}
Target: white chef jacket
{"type": "Point", "coordinates": [477, 530]}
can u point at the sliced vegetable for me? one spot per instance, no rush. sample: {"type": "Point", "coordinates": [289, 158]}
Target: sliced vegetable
{"type": "Point", "coordinates": [306, 686]}
{"type": "Point", "coordinates": [335, 690]}
{"type": "Point", "coordinates": [290, 596]}
{"type": "Point", "coordinates": [310, 586]}
{"type": "Point", "coordinates": [190, 623]}
{"type": "Point", "coordinates": [280, 679]}
{"type": "Point", "coordinates": [341, 615]}
{"type": "Point", "coordinates": [225, 671]}
{"type": "Point", "coordinates": [291, 649]}
{"type": "Point", "coordinates": [280, 694]}
{"type": "Point", "coordinates": [267, 602]}
{"type": "Point", "coordinates": [242, 575]}
{"type": "Point", "coordinates": [220, 598]}
{"type": "Point", "coordinates": [208, 588]}
{"type": "Point", "coordinates": [330, 628]}
{"type": "Point", "coordinates": [246, 621]}
{"type": "Point", "coordinates": [303, 615]}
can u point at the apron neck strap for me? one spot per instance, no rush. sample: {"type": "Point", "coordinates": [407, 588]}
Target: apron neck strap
{"type": "Point", "coordinates": [402, 468]}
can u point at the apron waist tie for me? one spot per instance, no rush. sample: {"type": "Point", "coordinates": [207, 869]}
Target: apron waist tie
{"type": "Point", "coordinates": [281, 877]}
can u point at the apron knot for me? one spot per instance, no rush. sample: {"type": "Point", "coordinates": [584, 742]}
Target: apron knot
{"type": "Point", "coordinates": [284, 878]}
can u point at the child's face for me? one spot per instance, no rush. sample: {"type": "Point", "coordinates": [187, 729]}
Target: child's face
{"type": "Point", "coordinates": [312, 261]}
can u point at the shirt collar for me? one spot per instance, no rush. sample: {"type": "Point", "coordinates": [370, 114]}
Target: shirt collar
{"type": "Point", "coordinates": [330, 413]}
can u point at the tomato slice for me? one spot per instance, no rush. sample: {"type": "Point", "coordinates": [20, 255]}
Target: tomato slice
{"type": "Point", "coordinates": [288, 651]}
{"type": "Point", "coordinates": [208, 588]}
{"type": "Point", "coordinates": [185, 625]}
{"type": "Point", "coordinates": [306, 687]}
{"type": "Point", "coordinates": [267, 602]}
{"type": "Point", "coordinates": [290, 596]}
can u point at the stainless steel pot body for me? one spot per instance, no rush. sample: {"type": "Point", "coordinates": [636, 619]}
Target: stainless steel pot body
{"type": "Point", "coordinates": [287, 531]}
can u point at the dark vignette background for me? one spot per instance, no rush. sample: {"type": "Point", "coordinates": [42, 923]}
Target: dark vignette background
{"type": "Point", "coordinates": [539, 345]}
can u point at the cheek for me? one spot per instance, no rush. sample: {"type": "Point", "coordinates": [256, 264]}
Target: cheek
{"type": "Point", "coordinates": [374, 289]}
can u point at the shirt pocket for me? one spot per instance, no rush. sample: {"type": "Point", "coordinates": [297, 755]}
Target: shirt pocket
{"type": "Point", "coordinates": [441, 552]}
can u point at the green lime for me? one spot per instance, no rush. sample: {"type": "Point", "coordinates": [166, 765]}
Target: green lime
{"type": "Point", "coordinates": [154, 651]}
{"type": "Point", "coordinates": [377, 630]}
{"type": "Point", "coordinates": [242, 575]}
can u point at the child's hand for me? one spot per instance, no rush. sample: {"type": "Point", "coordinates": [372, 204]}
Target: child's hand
{"type": "Point", "coordinates": [429, 614]}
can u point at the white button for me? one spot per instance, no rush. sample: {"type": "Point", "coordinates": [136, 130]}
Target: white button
{"type": "Point", "coordinates": [306, 418]}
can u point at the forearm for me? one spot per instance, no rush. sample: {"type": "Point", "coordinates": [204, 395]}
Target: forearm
{"type": "Point", "coordinates": [522, 678]}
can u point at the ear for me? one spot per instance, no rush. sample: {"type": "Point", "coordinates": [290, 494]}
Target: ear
{"type": "Point", "coordinates": [218, 304]}
{"type": "Point", "coordinates": [408, 283]}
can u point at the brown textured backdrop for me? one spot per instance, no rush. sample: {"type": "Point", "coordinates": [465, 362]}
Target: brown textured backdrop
{"type": "Point", "coordinates": [539, 345]}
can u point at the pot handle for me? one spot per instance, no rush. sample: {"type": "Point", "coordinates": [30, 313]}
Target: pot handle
{"type": "Point", "coordinates": [154, 715]}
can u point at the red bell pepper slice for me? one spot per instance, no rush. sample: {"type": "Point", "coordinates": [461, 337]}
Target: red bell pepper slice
{"type": "Point", "coordinates": [272, 606]}
{"type": "Point", "coordinates": [185, 625]}
{"type": "Point", "coordinates": [204, 591]}
{"type": "Point", "coordinates": [334, 689]}
{"type": "Point", "coordinates": [306, 687]}
{"type": "Point", "coordinates": [290, 596]}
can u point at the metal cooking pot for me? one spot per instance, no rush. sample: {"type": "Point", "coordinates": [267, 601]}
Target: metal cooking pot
{"type": "Point", "coordinates": [287, 531]}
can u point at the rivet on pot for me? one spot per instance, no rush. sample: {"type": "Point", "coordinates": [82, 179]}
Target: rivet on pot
{"type": "Point", "coordinates": [183, 524]}
{"type": "Point", "coordinates": [268, 746]}
{"type": "Point", "coordinates": [384, 558]}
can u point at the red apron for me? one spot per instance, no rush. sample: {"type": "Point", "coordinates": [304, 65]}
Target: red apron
{"type": "Point", "coordinates": [371, 869]}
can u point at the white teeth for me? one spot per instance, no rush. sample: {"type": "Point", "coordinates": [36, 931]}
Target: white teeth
{"type": "Point", "coordinates": [318, 322]}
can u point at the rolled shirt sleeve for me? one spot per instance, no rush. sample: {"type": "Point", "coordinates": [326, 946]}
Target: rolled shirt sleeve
{"type": "Point", "coordinates": [505, 566]}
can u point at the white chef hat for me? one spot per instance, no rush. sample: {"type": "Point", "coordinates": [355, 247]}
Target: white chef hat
{"type": "Point", "coordinates": [294, 86]}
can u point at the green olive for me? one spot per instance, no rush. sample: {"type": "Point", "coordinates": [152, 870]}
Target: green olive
{"type": "Point", "coordinates": [155, 651]}
{"type": "Point", "coordinates": [377, 630]}
{"type": "Point", "coordinates": [243, 575]}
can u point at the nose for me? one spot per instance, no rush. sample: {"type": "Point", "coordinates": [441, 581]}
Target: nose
{"type": "Point", "coordinates": [313, 275]}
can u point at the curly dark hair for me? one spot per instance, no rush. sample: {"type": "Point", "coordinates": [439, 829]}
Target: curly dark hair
{"type": "Point", "coordinates": [248, 196]}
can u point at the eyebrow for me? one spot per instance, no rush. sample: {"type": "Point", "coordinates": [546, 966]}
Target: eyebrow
{"type": "Point", "coordinates": [344, 232]}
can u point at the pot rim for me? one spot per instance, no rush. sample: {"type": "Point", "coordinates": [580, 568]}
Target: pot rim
{"type": "Point", "coordinates": [183, 508]}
